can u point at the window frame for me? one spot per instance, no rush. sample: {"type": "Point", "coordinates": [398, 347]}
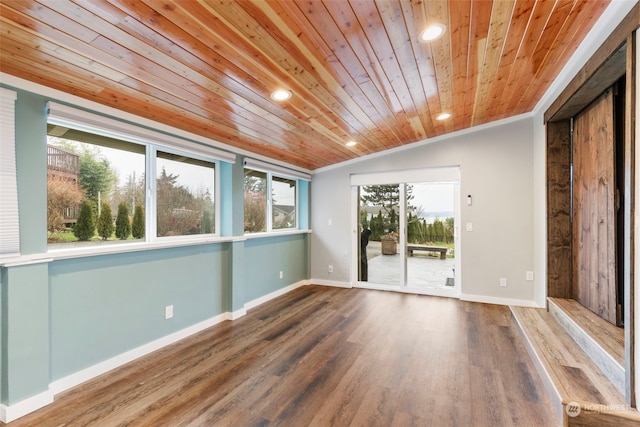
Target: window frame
{"type": "Point", "coordinates": [269, 202]}
{"type": "Point", "coordinates": [152, 141]}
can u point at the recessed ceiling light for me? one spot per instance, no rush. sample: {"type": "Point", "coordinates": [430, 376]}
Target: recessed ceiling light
{"type": "Point", "coordinates": [432, 32]}
{"type": "Point", "coordinates": [351, 143]}
{"type": "Point", "coordinates": [281, 95]}
{"type": "Point", "coordinates": [443, 116]}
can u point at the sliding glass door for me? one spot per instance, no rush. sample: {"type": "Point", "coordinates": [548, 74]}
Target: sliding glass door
{"type": "Point", "coordinates": [406, 236]}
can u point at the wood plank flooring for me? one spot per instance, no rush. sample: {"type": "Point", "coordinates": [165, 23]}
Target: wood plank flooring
{"type": "Point", "coordinates": [321, 356]}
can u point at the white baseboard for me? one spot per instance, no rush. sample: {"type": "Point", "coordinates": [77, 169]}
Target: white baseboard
{"type": "Point", "coordinates": [256, 302]}
{"type": "Point", "coordinates": [119, 360]}
{"type": "Point", "coordinates": [333, 283]}
{"type": "Point", "coordinates": [498, 300]}
{"type": "Point", "coordinates": [22, 408]}
{"type": "Point", "coordinates": [237, 314]}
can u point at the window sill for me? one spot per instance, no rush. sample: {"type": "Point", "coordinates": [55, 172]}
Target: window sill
{"type": "Point", "coordinates": [275, 234]}
{"type": "Point", "coordinates": [132, 247]}
{"type": "Point", "coordinates": [110, 250]}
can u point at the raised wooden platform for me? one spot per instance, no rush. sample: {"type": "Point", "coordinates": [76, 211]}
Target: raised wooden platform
{"type": "Point", "coordinates": [601, 340]}
{"type": "Point", "coordinates": [567, 371]}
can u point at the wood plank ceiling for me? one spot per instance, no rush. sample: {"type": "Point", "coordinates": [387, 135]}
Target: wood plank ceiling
{"type": "Point", "coordinates": [356, 69]}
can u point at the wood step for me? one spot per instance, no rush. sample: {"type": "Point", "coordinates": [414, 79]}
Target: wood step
{"type": "Point", "coordinates": [566, 370]}
{"type": "Point", "coordinates": [601, 340]}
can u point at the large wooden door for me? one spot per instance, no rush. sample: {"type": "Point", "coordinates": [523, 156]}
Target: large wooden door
{"type": "Point", "coordinates": [594, 208]}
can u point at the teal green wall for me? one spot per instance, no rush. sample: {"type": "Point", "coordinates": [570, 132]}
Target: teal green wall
{"type": "Point", "coordinates": [266, 257]}
{"type": "Point", "coordinates": [303, 209]}
{"type": "Point", "coordinates": [105, 305]}
{"type": "Point", "coordinates": [63, 316]}
{"type": "Point", "coordinates": [31, 159]}
{"type": "Point", "coordinates": [25, 332]}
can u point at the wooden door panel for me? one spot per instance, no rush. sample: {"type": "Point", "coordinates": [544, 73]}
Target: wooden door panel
{"type": "Point", "coordinates": [594, 210]}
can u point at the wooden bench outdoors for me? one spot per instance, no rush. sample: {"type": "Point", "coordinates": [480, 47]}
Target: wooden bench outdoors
{"type": "Point", "coordinates": [443, 251]}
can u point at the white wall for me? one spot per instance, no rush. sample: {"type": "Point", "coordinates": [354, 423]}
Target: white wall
{"type": "Point", "coordinates": [496, 166]}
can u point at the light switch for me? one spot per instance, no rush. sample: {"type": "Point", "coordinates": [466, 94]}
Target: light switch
{"type": "Point", "coordinates": [469, 226]}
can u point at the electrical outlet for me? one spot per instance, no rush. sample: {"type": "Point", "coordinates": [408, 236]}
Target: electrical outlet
{"type": "Point", "coordinates": [529, 275]}
{"type": "Point", "coordinates": [330, 268]}
{"type": "Point", "coordinates": [503, 281]}
{"type": "Point", "coordinates": [168, 312]}
{"type": "Point", "coordinates": [281, 274]}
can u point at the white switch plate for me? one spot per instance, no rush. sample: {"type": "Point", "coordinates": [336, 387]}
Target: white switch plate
{"type": "Point", "coordinates": [168, 312]}
{"type": "Point", "coordinates": [330, 268]}
{"type": "Point", "coordinates": [469, 226]}
{"type": "Point", "coordinates": [281, 274]}
{"type": "Point", "coordinates": [529, 275]}
{"type": "Point", "coordinates": [503, 281]}
{"type": "Point", "coordinates": [330, 222]}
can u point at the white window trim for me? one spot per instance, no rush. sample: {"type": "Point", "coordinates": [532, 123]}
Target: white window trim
{"type": "Point", "coordinates": [153, 142]}
{"type": "Point", "coordinates": [277, 170]}
{"type": "Point", "coordinates": [9, 213]}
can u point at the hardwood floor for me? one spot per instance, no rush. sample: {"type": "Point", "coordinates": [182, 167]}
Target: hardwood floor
{"type": "Point", "coordinates": [322, 356]}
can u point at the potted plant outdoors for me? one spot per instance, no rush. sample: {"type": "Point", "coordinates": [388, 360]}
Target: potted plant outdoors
{"type": "Point", "coordinates": [389, 243]}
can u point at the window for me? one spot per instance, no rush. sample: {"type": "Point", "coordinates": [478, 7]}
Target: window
{"type": "Point", "coordinates": [269, 202]}
{"type": "Point", "coordinates": [95, 189]}
{"type": "Point", "coordinates": [185, 189]}
{"type": "Point", "coordinates": [107, 186]}
{"type": "Point", "coordinates": [255, 201]}
{"type": "Point", "coordinates": [284, 203]}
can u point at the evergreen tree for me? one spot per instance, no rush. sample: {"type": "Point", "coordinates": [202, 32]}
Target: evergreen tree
{"type": "Point", "coordinates": [105, 222]}
{"type": "Point", "coordinates": [208, 221]}
{"type": "Point", "coordinates": [412, 230]}
{"type": "Point", "coordinates": [95, 175]}
{"type": "Point", "coordinates": [448, 230]}
{"type": "Point", "coordinates": [363, 217]}
{"type": "Point", "coordinates": [393, 221]}
{"type": "Point", "coordinates": [137, 228]}
{"type": "Point", "coordinates": [85, 225]}
{"type": "Point", "coordinates": [430, 234]}
{"type": "Point", "coordinates": [377, 227]}
{"type": "Point", "coordinates": [438, 229]}
{"type": "Point", "coordinates": [123, 226]}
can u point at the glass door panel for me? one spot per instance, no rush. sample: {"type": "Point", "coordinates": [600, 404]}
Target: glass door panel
{"type": "Point", "coordinates": [380, 260]}
{"type": "Point", "coordinates": [430, 235]}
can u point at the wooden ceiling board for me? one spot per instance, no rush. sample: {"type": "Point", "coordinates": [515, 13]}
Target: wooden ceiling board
{"type": "Point", "coordinates": [566, 43]}
{"type": "Point", "coordinates": [356, 69]}
{"type": "Point", "coordinates": [517, 26]}
{"type": "Point", "coordinates": [459, 30]}
{"type": "Point", "coordinates": [479, 29]}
